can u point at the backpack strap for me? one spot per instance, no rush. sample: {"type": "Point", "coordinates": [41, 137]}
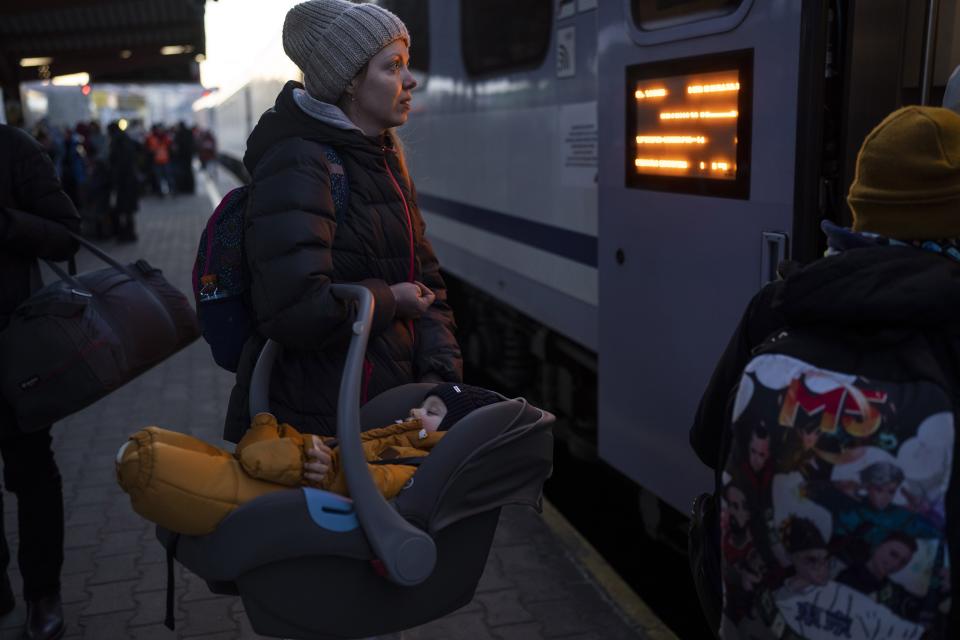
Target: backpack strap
{"type": "Point", "coordinates": [339, 186]}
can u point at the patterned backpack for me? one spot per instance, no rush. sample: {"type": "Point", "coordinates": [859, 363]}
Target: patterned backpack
{"type": "Point", "coordinates": [220, 271]}
{"type": "Point", "coordinates": [836, 467]}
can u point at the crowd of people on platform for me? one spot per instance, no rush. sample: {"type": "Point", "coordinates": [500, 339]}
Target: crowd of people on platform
{"type": "Point", "coordinates": [106, 170]}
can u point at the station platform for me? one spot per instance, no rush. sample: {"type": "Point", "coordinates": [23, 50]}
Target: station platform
{"type": "Point", "coordinates": [542, 580]}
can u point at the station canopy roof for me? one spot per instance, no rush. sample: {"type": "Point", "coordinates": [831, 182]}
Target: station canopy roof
{"type": "Point", "coordinates": [112, 40]}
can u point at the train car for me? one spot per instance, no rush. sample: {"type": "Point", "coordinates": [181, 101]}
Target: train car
{"type": "Point", "coordinates": [608, 182]}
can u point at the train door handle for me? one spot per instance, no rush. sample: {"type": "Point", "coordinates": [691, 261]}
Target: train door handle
{"type": "Point", "coordinates": [773, 251]}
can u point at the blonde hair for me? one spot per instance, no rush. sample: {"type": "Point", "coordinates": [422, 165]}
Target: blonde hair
{"type": "Point", "coordinates": [397, 143]}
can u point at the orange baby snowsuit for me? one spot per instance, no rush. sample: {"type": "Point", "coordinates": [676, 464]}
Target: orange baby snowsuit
{"type": "Point", "coordinates": [188, 486]}
{"type": "Point", "coordinates": [402, 440]}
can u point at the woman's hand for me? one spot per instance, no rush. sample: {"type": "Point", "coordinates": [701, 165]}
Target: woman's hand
{"type": "Point", "coordinates": [413, 299]}
{"type": "Point", "coordinates": [318, 462]}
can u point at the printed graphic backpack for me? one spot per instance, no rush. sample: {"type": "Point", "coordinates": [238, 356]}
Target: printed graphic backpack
{"type": "Point", "coordinates": [220, 271]}
{"type": "Point", "coordinates": [836, 465]}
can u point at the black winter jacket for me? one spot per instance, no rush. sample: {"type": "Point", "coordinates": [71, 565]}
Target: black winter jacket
{"type": "Point", "coordinates": [123, 171]}
{"type": "Point", "coordinates": [296, 247]}
{"type": "Point", "coordinates": [35, 216]}
{"type": "Point", "coordinates": [872, 293]}
{"type": "Point", "coordinates": [868, 288]}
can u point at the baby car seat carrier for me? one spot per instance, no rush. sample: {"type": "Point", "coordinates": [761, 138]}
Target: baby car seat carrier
{"type": "Point", "coordinates": [312, 564]}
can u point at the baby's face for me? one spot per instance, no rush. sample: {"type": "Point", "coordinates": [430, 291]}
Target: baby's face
{"type": "Point", "coordinates": [431, 413]}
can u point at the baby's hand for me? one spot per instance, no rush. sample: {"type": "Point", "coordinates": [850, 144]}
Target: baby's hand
{"type": "Point", "coordinates": [318, 462]}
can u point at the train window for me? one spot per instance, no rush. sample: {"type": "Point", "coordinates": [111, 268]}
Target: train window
{"type": "Point", "coordinates": [416, 15]}
{"type": "Point", "coordinates": [659, 14]}
{"type": "Point", "coordinates": [690, 124]}
{"type": "Point", "coordinates": [503, 35]}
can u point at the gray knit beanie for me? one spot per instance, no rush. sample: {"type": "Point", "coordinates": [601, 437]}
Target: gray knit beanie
{"type": "Point", "coordinates": [332, 40]}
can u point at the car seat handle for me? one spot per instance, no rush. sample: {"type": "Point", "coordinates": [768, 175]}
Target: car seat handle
{"type": "Point", "coordinates": [408, 554]}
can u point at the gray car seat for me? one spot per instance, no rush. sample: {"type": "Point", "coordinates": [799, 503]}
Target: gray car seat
{"type": "Point", "coordinates": [312, 564]}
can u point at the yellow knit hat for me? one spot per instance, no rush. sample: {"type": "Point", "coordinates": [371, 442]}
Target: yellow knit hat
{"type": "Point", "coordinates": [907, 182]}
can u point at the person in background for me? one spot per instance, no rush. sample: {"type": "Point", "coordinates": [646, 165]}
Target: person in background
{"type": "Point", "coordinates": [159, 143]}
{"type": "Point", "coordinates": [207, 149]}
{"type": "Point", "coordinates": [36, 218]}
{"type": "Point", "coordinates": [98, 213]}
{"type": "Point", "coordinates": [74, 170]}
{"type": "Point", "coordinates": [184, 148]}
{"type": "Point", "coordinates": [126, 187]}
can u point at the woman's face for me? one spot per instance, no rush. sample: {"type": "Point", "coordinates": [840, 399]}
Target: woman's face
{"type": "Point", "coordinates": [381, 96]}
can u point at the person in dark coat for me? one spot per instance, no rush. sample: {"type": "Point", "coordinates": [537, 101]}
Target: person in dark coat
{"type": "Point", "coordinates": [357, 91]}
{"type": "Point", "coordinates": [126, 184]}
{"type": "Point", "coordinates": [36, 217]}
{"type": "Point", "coordinates": [184, 148]}
{"type": "Point", "coordinates": [898, 267]}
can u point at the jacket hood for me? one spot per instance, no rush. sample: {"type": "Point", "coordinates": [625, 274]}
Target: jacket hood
{"type": "Point", "coordinates": [323, 111]}
{"type": "Point", "coordinates": [287, 120]}
{"type": "Point", "coordinates": [881, 286]}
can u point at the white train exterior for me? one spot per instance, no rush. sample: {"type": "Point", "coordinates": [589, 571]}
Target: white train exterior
{"type": "Point", "coordinates": [596, 267]}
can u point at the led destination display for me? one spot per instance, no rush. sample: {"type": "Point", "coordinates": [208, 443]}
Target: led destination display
{"type": "Point", "coordinates": [689, 125]}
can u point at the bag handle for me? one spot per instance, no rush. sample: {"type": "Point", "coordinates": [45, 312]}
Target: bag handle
{"type": "Point", "coordinates": [103, 255]}
{"type": "Point", "coordinates": [408, 554]}
{"type": "Point", "coordinates": [78, 287]}
{"type": "Point", "coordinates": [68, 276]}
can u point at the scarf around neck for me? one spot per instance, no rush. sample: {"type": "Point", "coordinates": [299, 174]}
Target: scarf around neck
{"type": "Point", "coordinates": [839, 239]}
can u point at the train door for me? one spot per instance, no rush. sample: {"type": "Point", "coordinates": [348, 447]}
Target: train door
{"type": "Point", "coordinates": [697, 114]}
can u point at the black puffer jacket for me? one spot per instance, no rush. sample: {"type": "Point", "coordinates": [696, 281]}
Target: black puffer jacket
{"type": "Point", "coordinates": [296, 248]}
{"type": "Point", "coordinates": [877, 295]}
{"type": "Point", "coordinates": [868, 288]}
{"type": "Point", "coordinates": [35, 215]}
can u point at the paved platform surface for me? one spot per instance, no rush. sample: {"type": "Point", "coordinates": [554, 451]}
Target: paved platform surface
{"type": "Point", "coordinates": [535, 584]}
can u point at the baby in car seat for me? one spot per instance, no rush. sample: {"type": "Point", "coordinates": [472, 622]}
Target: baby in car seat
{"type": "Point", "coordinates": [442, 407]}
{"type": "Point", "coordinates": [188, 486]}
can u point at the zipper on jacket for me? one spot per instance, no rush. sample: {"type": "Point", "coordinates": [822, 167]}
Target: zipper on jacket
{"type": "Point", "coordinates": [406, 210]}
{"type": "Point", "coordinates": [367, 374]}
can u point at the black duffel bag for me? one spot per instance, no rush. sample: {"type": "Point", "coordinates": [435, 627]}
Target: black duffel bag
{"type": "Point", "coordinates": [76, 340]}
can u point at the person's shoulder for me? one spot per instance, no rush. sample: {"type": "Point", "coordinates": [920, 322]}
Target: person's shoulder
{"type": "Point", "coordinates": [17, 141]}
{"type": "Point", "coordinates": [292, 153]}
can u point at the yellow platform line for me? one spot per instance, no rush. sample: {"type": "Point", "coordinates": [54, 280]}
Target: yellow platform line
{"type": "Point", "coordinates": [631, 606]}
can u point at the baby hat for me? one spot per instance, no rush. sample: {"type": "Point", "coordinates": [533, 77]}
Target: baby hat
{"type": "Point", "coordinates": [907, 181]}
{"type": "Point", "coordinates": [332, 40]}
{"type": "Point", "coordinates": [460, 400]}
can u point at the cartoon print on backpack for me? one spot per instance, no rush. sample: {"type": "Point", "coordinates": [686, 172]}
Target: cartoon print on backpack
{"type": "Point", "coordinates": [833, 505]}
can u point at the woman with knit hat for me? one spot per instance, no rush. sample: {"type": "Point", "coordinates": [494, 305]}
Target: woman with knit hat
{"type": "Point", "coordinates": [357, 89]}
{"type": "Point", "coordinates": [875, 325]}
